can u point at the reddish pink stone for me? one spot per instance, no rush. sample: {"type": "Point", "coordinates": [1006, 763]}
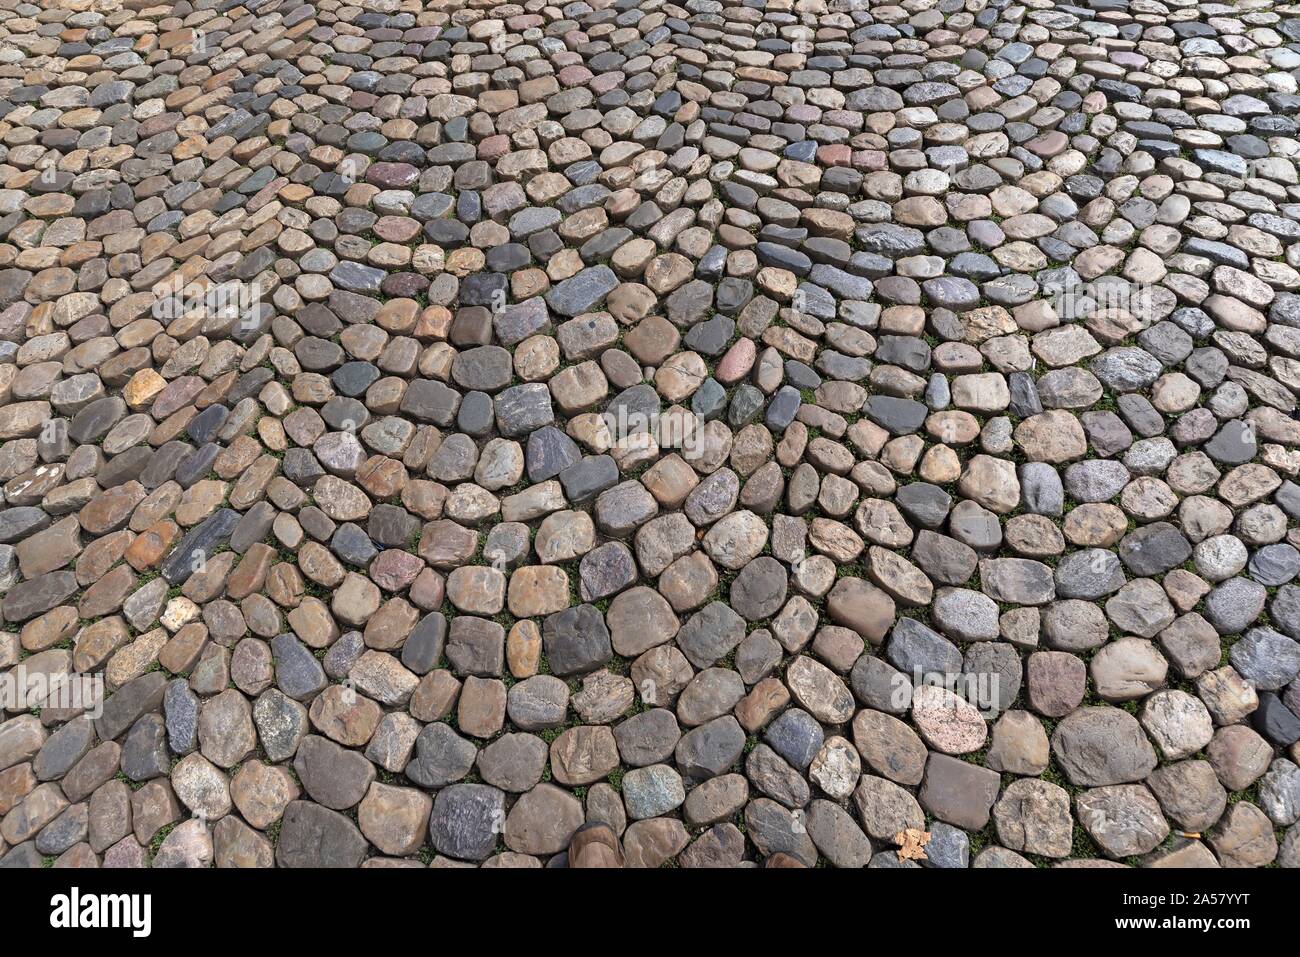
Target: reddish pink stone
{"type": "Point", "coordinates": [735, 365]}
{"type": "Point", "coordinates": [1049, 144]}
{"type": "Point", "coordinates": [494, 147]}
{"type": "Point", "coordinates": [1129, 59]}
{"type": "Point", "coordinates": [428, 590]}
{"type": "Point", "coordinates": [870, 159]}
{"type": "Point", "coordinates": [267, 193]}
{"type": "Point", "coordinates": [575, 75]}
{"type": "Point", "coordinates": [835, 154]}
{"type": "Point", "coordinates": [847, 119]}
{"type": "Point", "coordinates": [125, 853]}
{"type": "Point", "coordinates": [607, 81]}
{"type": "Point", "coordinates": [394, 569]}
{"type": "Point", "coordinates": [178, 394]}
{"type": "Point", "coordinates": [396, 229]}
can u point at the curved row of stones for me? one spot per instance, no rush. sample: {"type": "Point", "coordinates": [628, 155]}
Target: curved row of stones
{"type": "Point", "coordinates": [623, 411]}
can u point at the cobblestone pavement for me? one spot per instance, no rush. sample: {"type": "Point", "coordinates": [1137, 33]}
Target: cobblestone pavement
{"type": "Point", "coordinates": [853, 431]}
